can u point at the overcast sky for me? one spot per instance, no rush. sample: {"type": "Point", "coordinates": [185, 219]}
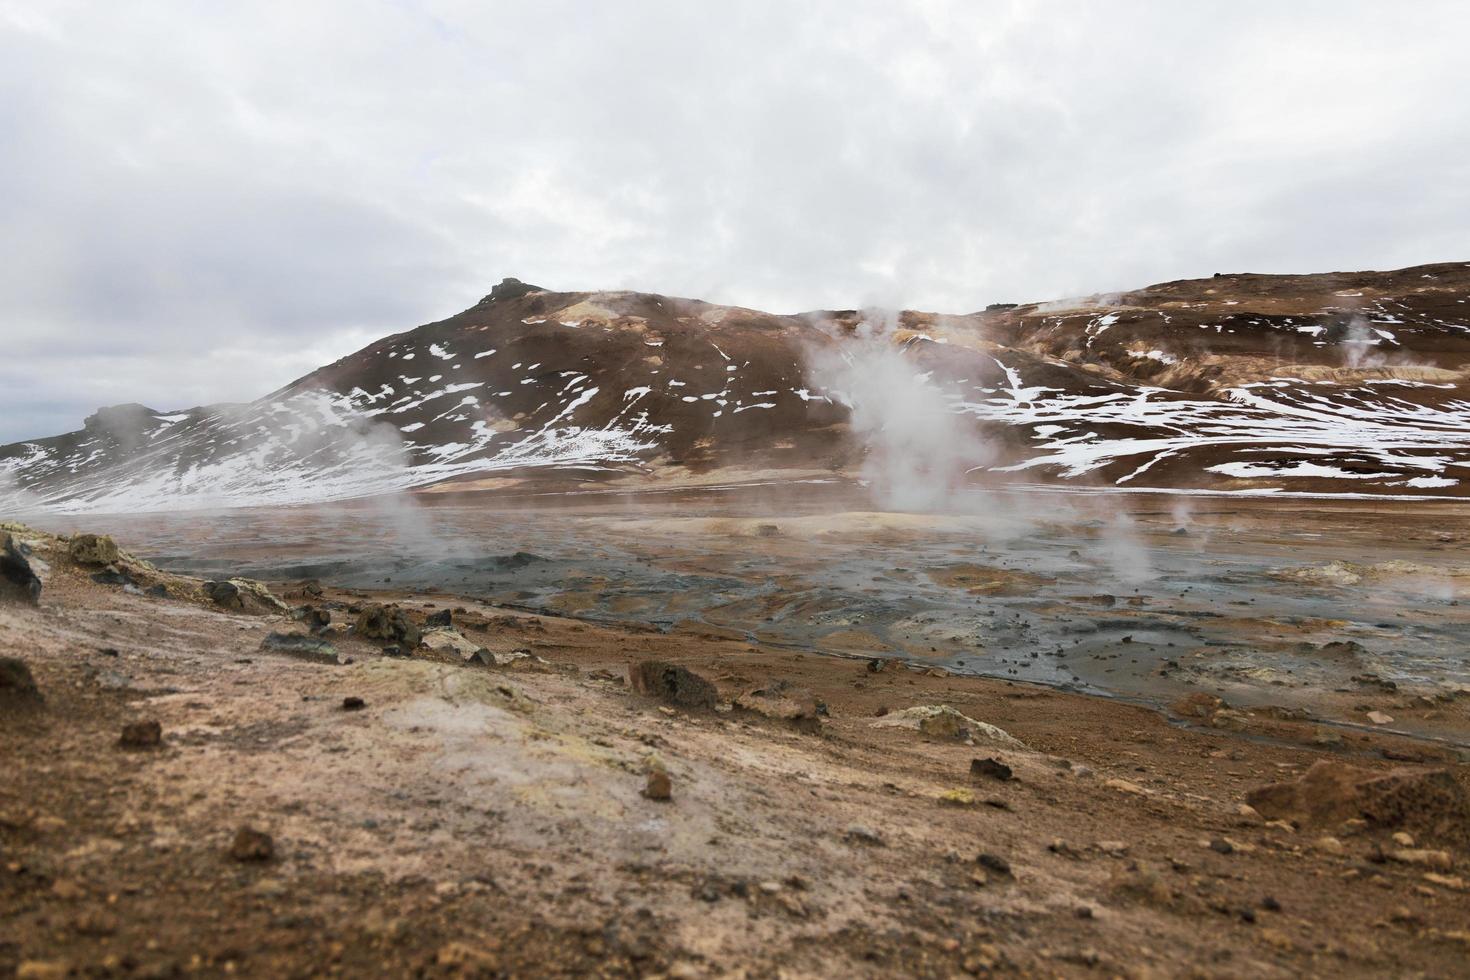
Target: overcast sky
{"type": "Point", "coordinates": [202, 201]}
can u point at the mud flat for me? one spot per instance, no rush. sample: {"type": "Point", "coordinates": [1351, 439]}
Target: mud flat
{"type": "Point", "coordinates": [1325, 607]}
{"type": "Point", "coordinates": [497, 807]}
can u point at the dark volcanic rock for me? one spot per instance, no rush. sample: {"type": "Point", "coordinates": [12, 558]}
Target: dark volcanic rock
{"type": "Point", "coordinates": [112, 575]}
{"type": "Point", "coordinates": [301, 647]}
{"type": "Point", "coordinates": [252, 845]}
{"type": "Point", "coordinates": [380, 622]}
{"type": "Point", "coordinates": [141, 735]}
{"type": "Point", "coordinates": [672, 683]}
{"type": "Point", "coordinates": [510, 288]}
{"type": "Point", "coordinates": [224, 594]}
{"type": "Point", "coordinates": [312, 617]}
{"type": "Point", "coordinates": [991, 768]}
{"type": "Point", "coordinates": [244, 595]}
{"type": "Point", "coordinates": [443, 618]}
{"type": "Point", "coordinates": [17, 578]}
{"type": "Point", "coordinates": [17, 686]}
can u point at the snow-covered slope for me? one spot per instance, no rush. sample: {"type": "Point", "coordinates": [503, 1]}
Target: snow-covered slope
{"type": "Point", "coordinates": [1342, 383]}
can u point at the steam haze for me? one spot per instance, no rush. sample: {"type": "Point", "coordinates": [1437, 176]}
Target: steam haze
{"type": "Point", "coordinates": [199, 203]}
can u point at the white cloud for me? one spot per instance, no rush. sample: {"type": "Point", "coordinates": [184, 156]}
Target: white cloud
{"type": "Point", "coordinates": [199, 202]}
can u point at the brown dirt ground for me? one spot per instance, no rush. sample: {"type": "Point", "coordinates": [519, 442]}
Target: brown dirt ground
{"type": "Point", "coordinates": [489, 821]}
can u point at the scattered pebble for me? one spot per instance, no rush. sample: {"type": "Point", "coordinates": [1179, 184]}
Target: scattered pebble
{"type": "Point", "coordinates": [659, 787]}
{"type": "Point", "coordinates": [141, 735]}
{"type": "Point", "coordinates": [252, 845]}
{"type": "Point", "coordinates": [991, 767]}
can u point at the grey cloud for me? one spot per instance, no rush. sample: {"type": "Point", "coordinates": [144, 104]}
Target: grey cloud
{"type": "Point", "coordinates": [201, 202]}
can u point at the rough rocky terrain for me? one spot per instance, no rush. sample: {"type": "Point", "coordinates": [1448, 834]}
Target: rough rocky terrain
{"type": "Point", "coordinates": [1343, 383]}
{"type": "Point", "coordinates": [511, 805]}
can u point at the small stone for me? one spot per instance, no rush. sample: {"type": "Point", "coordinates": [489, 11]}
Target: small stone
{"type": "Point", "coordinates": [67, 890]}
{"type": "Point", "coordinates": [1196, 705]}
{"type": "Point", "coordinates": [17, 685]}
{"type": "Point", "coordinates": [858, 834]}
{"type": "Point", "coordinates": [1221, 846]}
{"type": "Point", "coordinates": [1403, 839]}
{"type": "Point", "coordinates": [1330, 845]}
{"type": "Point", "coordinates": [1454, 882]}
{"type": "Point", "coordinates": [353, 703]}
{"type": "Point", "coordinates": [994, 863]}
{"type": "Point", "coordinates": [141, 735]}
{"type": "Point", "coordinates": [1379, 717]}
{"type": "Point", "coordinates": [659, 786]}
{"type": "Point", "coordinates": [1112, 848]}
{"type": "Point", "coordinates": [1327, 738]}
{"type": "Point", "coordinates": [671, 683]}
{"type": "Point", "coordinates": [443, 618]}
{"type": "Point", "coordinates": [957, 797]}
{"type": "Point", "coordinates": [252, 845]}
{"type": "Point", "coordinates": [990, 767]}
{"type": "Point", "coordinates": [1124, 786]}
{"type": "Point", "coordinates": [42, 970]}
{"type": "Point", "coordinates": [1437, 860]}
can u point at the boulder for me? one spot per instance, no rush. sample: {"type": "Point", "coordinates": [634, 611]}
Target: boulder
{"type": "Point", "coordinates": [442, 618]}
{"type": "Point", "coordinates": [244, 595]}
{"type": "Point", "coordinates": [1430, 802]}
{"type": "Point", "coordinates": [453, 642]}
{"type": "Point", "coordinates": [781, 701]}
{"type": "Point", "coordinates": [18, 579]}
{"type": "Point", "coordinates": [312, 617]}
{"type": "Point", "coordinates": [379, 622]}
{"type": "Point", "coordinates": [93, 549]}
{"type": "Point", "coordinates": [942, 721]}
{"type": "Point", "coordinates": [672, 683]}
{"type": "Point", "coordinates": [1196, 705]}
{"type": "Point", "coordinates": [224, 594]}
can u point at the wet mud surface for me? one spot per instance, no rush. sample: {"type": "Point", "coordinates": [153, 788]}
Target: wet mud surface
{"type": "Point", "coordinates": [1319, 606]}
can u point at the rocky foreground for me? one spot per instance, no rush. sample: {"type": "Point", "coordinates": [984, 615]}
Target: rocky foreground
{"type": "Point", "coordinates": [285, 780]}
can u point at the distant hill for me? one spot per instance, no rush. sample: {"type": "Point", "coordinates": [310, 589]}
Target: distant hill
{"type": "Point", "coordinates": [1335, 383]}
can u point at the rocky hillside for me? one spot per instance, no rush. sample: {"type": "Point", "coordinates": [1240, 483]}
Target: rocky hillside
{"type": "Point", "coordinates": [1340, 383]}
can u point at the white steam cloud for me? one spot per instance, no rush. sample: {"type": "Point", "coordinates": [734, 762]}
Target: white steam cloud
{"type": "Point", "coordinates": [918, 451]}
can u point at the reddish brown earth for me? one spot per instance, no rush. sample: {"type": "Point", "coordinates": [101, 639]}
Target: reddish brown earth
{"type": "Point", "coordinates": [481, 821]}
{"type": "Point", "coordinates": [1341, 383]}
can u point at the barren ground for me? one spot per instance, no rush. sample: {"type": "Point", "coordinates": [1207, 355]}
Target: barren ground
{"type": "Point", "coordinates": [472, 820]}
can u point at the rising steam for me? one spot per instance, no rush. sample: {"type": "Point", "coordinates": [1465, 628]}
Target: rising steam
{"type": "Point", "coordinates": [917, 450]}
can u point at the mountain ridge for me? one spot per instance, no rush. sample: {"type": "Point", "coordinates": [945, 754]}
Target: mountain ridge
{"type": "Point", "coordinates": [1344, 383]}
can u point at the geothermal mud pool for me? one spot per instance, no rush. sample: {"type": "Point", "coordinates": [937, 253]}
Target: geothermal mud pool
{"type": "Point", "coordinates": [1263, 602]}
